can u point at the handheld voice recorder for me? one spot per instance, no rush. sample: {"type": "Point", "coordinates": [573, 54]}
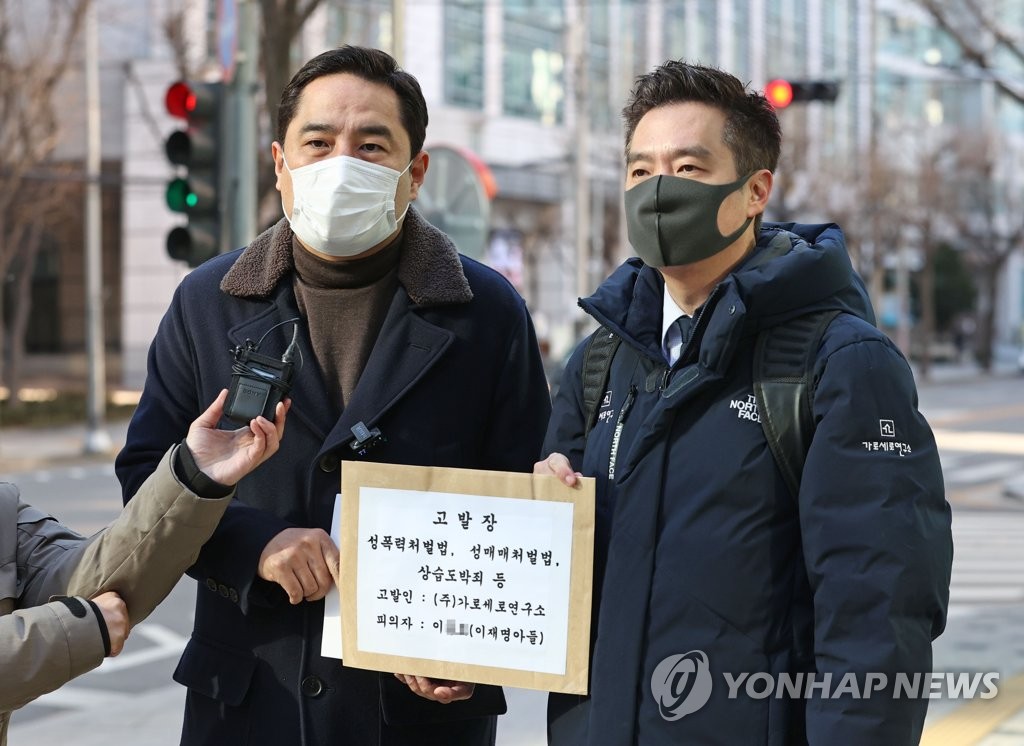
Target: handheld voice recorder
{"type": "Point", "coordinates": [258, 382]}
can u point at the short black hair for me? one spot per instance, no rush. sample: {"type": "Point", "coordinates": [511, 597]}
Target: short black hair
{"type": "Point", "coordinates": [369, 64]}
{"type": "Point", "coordinates": [752, 131]}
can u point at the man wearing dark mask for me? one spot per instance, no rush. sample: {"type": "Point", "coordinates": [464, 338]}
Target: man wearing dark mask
{"type": "Point", "coordinates": [709, 571]}
{"type": "Point", "coordinates": [407, 353]}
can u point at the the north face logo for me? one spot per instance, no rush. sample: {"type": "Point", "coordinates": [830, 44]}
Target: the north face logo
{"type": "Point", "coordinates": [606, 413]}
{"type": "Point", "coordinates": [746, 409]}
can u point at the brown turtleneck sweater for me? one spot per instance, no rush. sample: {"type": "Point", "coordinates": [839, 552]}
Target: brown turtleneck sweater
{"type": "Point", "coordinates": [344, 304]}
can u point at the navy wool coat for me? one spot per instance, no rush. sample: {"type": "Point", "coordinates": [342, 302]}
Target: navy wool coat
{"type": "Point", "coordinates": [454, 379]}
{"type": "Point", "coordinates": [703, 552]}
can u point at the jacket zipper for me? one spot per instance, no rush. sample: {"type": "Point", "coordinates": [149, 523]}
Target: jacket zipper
{"type": "Point", "coordinates": [693, 333]}
{"type": "Point", "coordinates": [617, 434]}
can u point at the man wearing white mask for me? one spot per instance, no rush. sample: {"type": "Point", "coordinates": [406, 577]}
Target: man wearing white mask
{"type": "Point", "coordinates": [406, 352]}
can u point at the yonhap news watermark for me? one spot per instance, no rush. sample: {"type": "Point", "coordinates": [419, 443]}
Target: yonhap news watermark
{"type": "Point", "coordinates": [682, 684]}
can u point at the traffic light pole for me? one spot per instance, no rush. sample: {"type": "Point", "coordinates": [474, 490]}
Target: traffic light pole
{"type": "Point", "coordinates": [240, 167]}
{"type": "Point", "coordinates": [214, 154]}
{"type": "Point", "coordinates": [97, 440]}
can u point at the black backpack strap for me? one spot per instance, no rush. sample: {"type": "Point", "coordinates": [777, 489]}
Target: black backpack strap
{"type": "Point", "coordinates": [597, 363]}
{"type": "Point", "coordinates": [784, 357]}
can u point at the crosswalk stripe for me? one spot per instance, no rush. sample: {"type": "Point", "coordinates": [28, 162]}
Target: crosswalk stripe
{"type": "Point", "coordinates": [980, 442]}
{"type": "Point", "coordinates": [966, 468]}
{"type": "Point", "coordinates": [988, 558]}
{"type": "Point", "coordinates": [984, 472]}
{"type": "Point", "coordinates": [73, 698]}
{"type": "Point", "coordinates": [985, 594]}
{"type": "Point", "coordinates": [168, 644]}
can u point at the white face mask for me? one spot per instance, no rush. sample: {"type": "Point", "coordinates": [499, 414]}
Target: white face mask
{"type": "Point", "coordinates": [343, 206]}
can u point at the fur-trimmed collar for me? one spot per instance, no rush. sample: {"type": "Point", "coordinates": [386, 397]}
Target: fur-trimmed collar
{"type": "Point", "coordinates": [429, 268]}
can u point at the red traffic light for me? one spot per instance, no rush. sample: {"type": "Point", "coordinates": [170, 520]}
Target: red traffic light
{"type": "Point", "coordinates": [180, 100]}
{"type": "Point", "coordinates": [779, 93]}
{"type": "Point", "coordinates": [193, 101]}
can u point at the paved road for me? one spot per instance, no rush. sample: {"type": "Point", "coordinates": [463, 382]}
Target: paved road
{"type": "Point", "coordinates": [985, 632]}
{"type": "Point", "coordinates": [130, 698]}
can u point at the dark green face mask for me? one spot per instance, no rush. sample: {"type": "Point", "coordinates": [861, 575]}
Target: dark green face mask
{"type": "Point", "coordinates": [673, 221]}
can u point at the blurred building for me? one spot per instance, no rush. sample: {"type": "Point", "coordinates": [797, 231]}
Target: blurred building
{"type": "Point", "coordinates": [533, 89]}
{"type": "Point", "coordinates": [955, 145]}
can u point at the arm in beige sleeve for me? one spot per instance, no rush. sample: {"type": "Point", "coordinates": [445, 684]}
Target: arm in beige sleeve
{"type": "Point", "coordinates": [44, 647]}
{"type": "Point", "coordinates": [147, 549]}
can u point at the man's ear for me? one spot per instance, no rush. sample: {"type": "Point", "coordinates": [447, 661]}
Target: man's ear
{"type": "Point", "coordinates": [760, 190]}
{"type": "Point", "coordinates": [277, 153]}
{"type": "Point", "coordinates": [417, 172]}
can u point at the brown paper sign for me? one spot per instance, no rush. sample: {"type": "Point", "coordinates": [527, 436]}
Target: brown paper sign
{"type": "Point", "coordinates": [471, 575]}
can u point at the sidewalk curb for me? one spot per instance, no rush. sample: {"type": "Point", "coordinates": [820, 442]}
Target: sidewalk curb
{"type": "Point", "coordinates": [31, 448]}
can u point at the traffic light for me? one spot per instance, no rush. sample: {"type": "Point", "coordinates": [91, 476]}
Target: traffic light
{"type": "Point", "coordinates": [781, 92]}
{"type": "Point", "coordinates": [195, 151]}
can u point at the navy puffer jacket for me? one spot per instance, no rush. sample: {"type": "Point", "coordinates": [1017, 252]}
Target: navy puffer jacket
{"type": "Point", "coordinates": [700, 546]}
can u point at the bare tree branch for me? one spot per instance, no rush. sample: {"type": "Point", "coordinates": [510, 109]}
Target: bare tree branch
{"type": "Point", "coordinates": [147, 114]}
{"type": "Point", "coordinates": [304, 12]}
{"type": "Point", "coordinates": [174, 31]}
{"type": "Point", "coordinates": [991, 228]}
{"type": "Point", "coordinates": [282, 23]}
{"type": "Point", "coordinates": [971, 46]}
{"type": "Point", "coordinates": [38, 44]}
{"type": "Point", "coordinates": [1002, 38]}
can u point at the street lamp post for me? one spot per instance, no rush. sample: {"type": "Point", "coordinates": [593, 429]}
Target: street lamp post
{"type": "Point", "coordinates": [97, 440]}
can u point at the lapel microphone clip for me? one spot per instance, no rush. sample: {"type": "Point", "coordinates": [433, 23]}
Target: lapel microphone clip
{"type": "Point", "coordinates": [259, 382]}
{"type": "Point", "coordinates": [365, 438]}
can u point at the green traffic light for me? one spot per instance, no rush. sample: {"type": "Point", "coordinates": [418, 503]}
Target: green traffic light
{"type": "Point", "coordinates": [179, 196]}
